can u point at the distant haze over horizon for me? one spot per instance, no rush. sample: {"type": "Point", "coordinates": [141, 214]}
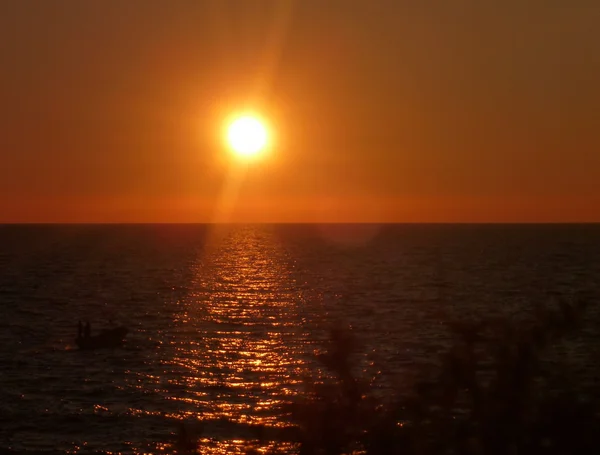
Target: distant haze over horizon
{"type": "Point", "coordinates": [381, 111]}
{"type": "Point", "coordinates": [350, 225]}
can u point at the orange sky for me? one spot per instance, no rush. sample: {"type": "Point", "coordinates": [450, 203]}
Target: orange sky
{"type": "Point", "coordinates": [384, 111]}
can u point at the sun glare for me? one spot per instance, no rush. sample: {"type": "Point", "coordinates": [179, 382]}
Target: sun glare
{"type": "Point", "coordinates": [247, 136]}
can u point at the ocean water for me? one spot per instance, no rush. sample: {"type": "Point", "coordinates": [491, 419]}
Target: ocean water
{"type": "Point", "coordinates": [225, 321]}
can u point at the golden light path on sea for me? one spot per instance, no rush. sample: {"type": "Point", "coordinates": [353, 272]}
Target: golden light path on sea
{"type": "Point", "coordinates": [238, 346]}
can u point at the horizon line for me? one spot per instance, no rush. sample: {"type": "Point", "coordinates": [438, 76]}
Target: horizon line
{"type": "Point", "coordinates": [233, 223]}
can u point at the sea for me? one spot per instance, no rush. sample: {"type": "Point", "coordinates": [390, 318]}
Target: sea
{"type": "Point", "coordinates": [226, 321]}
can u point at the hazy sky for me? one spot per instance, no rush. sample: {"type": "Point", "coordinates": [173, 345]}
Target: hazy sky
{"type": "Point", "coordinates": [112, 110]}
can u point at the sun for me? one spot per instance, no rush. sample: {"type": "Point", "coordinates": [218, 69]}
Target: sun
{"type": "Point", "coordinates": [247, 135]}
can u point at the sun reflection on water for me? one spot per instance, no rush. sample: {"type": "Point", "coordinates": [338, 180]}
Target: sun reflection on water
{"type": "Point", "coordinates": [236, 349]}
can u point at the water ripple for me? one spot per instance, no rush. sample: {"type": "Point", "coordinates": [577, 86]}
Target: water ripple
{"type": "Point", "coordinates": [224, 325]}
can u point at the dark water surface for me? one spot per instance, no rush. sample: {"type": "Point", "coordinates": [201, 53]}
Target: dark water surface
{"type": "Point", "coordinates": [224, 321]}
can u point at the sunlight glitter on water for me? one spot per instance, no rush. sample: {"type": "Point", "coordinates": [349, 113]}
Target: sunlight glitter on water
{"type": "Point", "coordinates": [233, 347]}
{"type": "Point", "coordinates": [223, 331]}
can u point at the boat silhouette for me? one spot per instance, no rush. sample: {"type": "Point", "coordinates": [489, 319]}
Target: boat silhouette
{"type": "Point", "coordinates": [109, 338]}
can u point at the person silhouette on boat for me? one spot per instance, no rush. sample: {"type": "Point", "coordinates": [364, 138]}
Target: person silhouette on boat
{"type": "Point", "coordinates": [79, 330]}
{"type": "Point", "coordinates": [88, 330]}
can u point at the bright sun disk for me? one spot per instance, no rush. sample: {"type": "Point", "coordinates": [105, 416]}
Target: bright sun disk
{"type": "Point", "coordinates": [247, 136]}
